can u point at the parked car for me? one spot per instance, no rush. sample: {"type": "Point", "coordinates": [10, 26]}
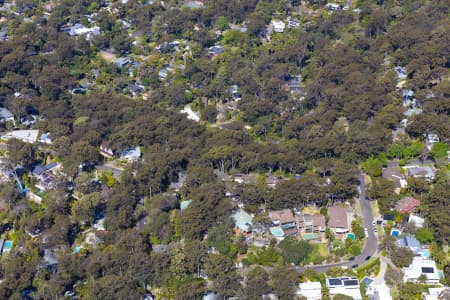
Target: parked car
{"type": "Point", "coordinates": [355, 266]}
{"type": "Point", "coordinates": [368, 257]}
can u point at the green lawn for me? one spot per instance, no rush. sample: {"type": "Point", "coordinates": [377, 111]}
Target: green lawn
{"type": "Point", "coordinates": [318, 254]}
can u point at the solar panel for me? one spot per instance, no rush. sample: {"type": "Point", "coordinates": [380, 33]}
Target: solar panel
{"type": "Point", "coordinates": [334, 281]}
{"type": "Point", "coordinates": [428, 270]}
{"type": "Point", "coordinates": [351, 282]}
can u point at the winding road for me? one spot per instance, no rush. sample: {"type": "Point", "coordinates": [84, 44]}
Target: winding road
{"type": "Point", "coordinates": [371, 245]}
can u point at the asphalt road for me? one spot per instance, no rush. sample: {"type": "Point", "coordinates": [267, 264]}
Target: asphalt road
{"type": "Point", "coordinates": [371, 244]}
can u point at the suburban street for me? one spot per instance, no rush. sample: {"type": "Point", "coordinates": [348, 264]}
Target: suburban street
{"type": "Point", "coordinates": [371, 245]}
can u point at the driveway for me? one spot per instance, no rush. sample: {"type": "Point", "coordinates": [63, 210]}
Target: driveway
{"type": "Point", "coordinates": [371, 245]}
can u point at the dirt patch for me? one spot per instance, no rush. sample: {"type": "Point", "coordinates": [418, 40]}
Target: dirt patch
{"type": "Point", "coordinates": [108, 56]}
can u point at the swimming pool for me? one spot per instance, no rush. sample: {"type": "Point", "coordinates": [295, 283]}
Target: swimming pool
{"type": "Point", "coordinates": [351, 236]}
{"type": "Point", "coordinates": [277, 231]}
{"type": "Point", "coordinates": [310, 236]}
{"type": "Point", "coordinates": [77, 249]}
{"type": "Point", "coordinates": [7, 245]}
{"type": "Point", "coordinates": [395, 232]}
{"type": "Point", "coordinates": [426, 253]}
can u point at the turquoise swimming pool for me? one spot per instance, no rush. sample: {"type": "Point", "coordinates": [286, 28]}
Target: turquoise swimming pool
{"type": "Point", "coordinates": [351, 236]}
{"type": "Point", "coordinates": [310, 236]}
{"type": "Point", "coordinates": [7, 245]}
{"type": "Point", "coordinates": [426, 253]}
{"type": "Point", "coordinates": [277, 231]}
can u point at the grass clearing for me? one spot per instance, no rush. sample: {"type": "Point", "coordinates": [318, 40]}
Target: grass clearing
{"type": "Point", "coordinates": [318, 254]}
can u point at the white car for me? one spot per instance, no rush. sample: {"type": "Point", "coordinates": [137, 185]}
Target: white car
{"type": "Point", "coordinates": [366, 232]}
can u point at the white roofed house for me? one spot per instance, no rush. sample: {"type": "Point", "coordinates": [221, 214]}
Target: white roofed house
{"type": "Point", "coordinates": [310, 290]}
{"type": "Point", "coordinates": [278, 26]}
{"type": "Point", "coordinates": [243, 221]}
{"type": "Point", "coordinates": [131, 154]}
{"type": "Point", "coordinates": [344, 285]}
{"type": "Point", "coordinates": [421, 266]}
{"type": "Point", "coordinates": [26, 136]}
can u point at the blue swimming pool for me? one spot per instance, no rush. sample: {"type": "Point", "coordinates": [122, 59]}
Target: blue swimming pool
{"type": "Point", "coordinates": [395, 232]}
{"type": "Point", "coordinates": [7, 245]}
{"type": "Point", "coordinates": [351, 236]}
{"type": "Point", "coordinates": [426, 253]}
{"type": "Point", "coordinates": [277, 231]}
{"type": "Point", "coordinates": [310, 236]}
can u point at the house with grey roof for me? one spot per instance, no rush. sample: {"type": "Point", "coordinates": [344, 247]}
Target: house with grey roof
{"type": "Point", "coordinates": [426, 172]}
{"type": "Point", "coordinates": [6, 115]}
{"type": "Point", "coordinates": [410, 242]}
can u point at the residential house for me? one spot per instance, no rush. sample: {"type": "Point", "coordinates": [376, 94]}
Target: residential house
{"type": "Point", "coordinates": [272, 181]}
{"type": "Point", "coordinates": [162, 74]}
{"type": "Point", "coordinates": [407, 97]}
{"type": "Point", "coordinates": [285, 220]}
{"type": "Point", "coordinates": [194, 4]}
{"type": "Point", "coordinates": [410, 242]}
{"type": "Point", "coordinates": [135, 90]}
{"type": "Point", "coordinates": [6, 115]}
{"type": "Point", "coordinates": [310, 290]}
{"type": "Point", "coordinates": [407, 205]}
{"type": "Point", "coordinates": [432, 138]}
{"type": "Point", "coordinates": [29, 120]}
{"type": "Point", "coordinates": [339, 219]}
{"type": "Point", "coordinates": [235, 92]}
{"type": "Point", "coordinates": [376, 291]}
{"type": "Point", "coordinates": [3, 34]}
{"type": "Point", "coordinates": [105, 150]}
{"type": "Point", "coordinates": [401, 72]}
{"type": "Point", "coordinates": [292, 23]}
{"type": "Point", "coordinates": [46, 138]}
{"type": "Point", "coordinates": [393, 174]}
{"type": "Point", "coordinates": [215, 50]}
{"type": "Point", "coordinates": [80, 29]}
{"type": "Point", "coordinates": [295, 84]}
{"type": "Point", "coordinates": [46, 176]}
{"type": "Point", "coordinates": [134, 66]}
{"type": "Point", "coordinates": [26, 136]}
{"type": "Point", "coordinates": [344, 285]}
{"type": "Point", "coordinates": [333, 6]}
{"type": "Point", "coordinates": [311, 223]}
{"type": "Point", "coordinates": [242, 221]}
{"type": "Point", "coordinates": [426, 172]}
{"type": "Point", "coordinates": [244, 178]}
{"type": "Point", "coordinates": [122, 62]}
{"type": "Point", "coordinates": [418, 221]}
{"type": "Point", "coordinates": [278, 26]}
{"type": "Point", "coordinates": [131, 154]}
{"type": "Point", "coordinates": [78, 91]}
{"type": "Point", "coordinates": [437, 293]}
{"type": "Point", "coordinates": [421, 266]}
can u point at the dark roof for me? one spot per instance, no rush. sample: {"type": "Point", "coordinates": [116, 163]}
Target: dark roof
{"type": "Point", "coordinates": [38, 170]}
{"type": "Point", "coordinates": [350, 282]}
{"type": "Point", "coordinates": [428, 270]}
{"type": "Point", "coordinates": [334, 281]}
{"type": "Point", "coordinates": [389, 217]}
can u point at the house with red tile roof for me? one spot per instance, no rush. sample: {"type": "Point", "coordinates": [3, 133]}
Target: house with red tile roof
{"type": "Point", "coordinates": [407, 205]}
